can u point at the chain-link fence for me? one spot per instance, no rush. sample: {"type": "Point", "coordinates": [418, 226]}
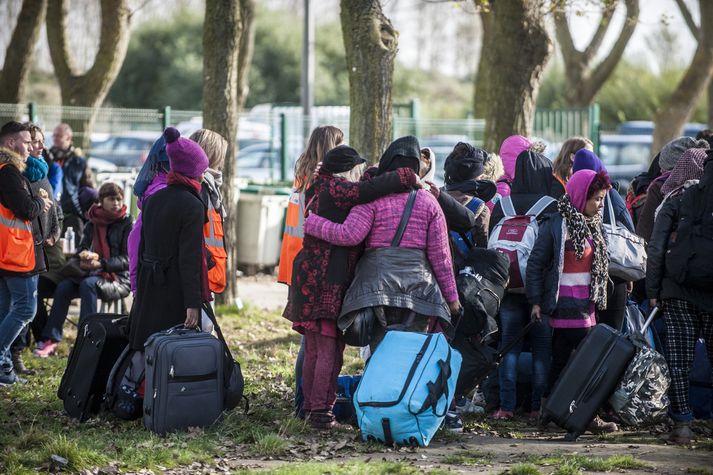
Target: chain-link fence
{"type": "Point", "coordinates": [271, 137]}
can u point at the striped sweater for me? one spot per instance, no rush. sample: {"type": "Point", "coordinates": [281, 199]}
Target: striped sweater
{"type": "Point", "coordinates": [574, 308]}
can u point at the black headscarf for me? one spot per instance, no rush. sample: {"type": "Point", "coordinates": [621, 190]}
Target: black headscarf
{"type": "Point", "coordinates": [533, 174]}
{"type": "Point", "coordinates": [464, 163]}
{"type": "Point", "coordinates": [403, 152]}
{"type": "Point", "coordinates": [341, 159]}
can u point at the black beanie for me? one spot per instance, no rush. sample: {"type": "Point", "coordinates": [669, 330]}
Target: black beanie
{"type": "Point", "coordinates": [341, 159]}
{"type": "Point", "coordinates": [464, 163]}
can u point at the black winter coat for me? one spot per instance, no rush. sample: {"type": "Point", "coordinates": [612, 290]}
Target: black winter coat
{"type": "Point", "coordinates": [16, 195]}
{"type": "Point", "coordinates": [660, 284]}
{"type": "Point", "coordinates": [544, 267]}
{"type": "Point", "coordinates": [533, 180]}
{"type": "Point", "coordinates": [169, 267]}
{"type": "Point", "coordinates": [458, 218]}
{"type": "Point", "coordinates": [74, 169]}
{"type": "Point", "coordinates": [118, 261]}
{"type": "Point", "coordinates": [45, 226]}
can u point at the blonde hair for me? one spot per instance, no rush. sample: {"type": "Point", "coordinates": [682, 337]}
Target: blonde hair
{"type": "Point", "coordinates": [493, 168]}
{"type": "Point", "coordinates": [322, 139]}
{"type": "Point", "coordinates": [562, 166]}
{"type": "Point", "coordinates": [8, 156]}
{"type": "Point", "coordinates": [354, 174]}
{"type": "Point", "coordinates": [214, 145]}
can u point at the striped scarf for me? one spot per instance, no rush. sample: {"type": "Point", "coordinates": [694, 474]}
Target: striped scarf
{"type": "Point", "coordinates": [579, 228]}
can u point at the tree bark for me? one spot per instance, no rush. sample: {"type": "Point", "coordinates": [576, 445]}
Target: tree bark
{"type": "Point", "coordinates": [515, 55]}
{"type": "Point", "coordinates": [87, 89]}
{"type": "Point", "coordinates": [227, 48]}
{"type": "Point", "coordinates": [482, 78]}
{"type": "Point", "coordinates": [21, 51]}
{"type": "Point", "coordinates": [584, 79]}
{"type": "Point", "coordinates": [370, 43]}
{"type": "Point", "coordinates": [673, 114]}
{"type": "Point", "coordinates": [710, 103]}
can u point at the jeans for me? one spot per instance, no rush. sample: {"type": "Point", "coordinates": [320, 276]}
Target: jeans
{"type": "Point", "coordinates": [514, 315]}
{"type": "Point", "coordinates": [45, 289]}
{"type": "Point", "coordinates": [83, 287]}
{"type": "Point", "coordinates": [18, 303]}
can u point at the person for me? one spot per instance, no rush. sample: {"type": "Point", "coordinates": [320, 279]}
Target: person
{"type": "Point", "coordinates": [322, 139]}
{"type": "Point", "coordinates": [707, 135]}
{"type": "Point", "coordinates": [215, 146]}
{"type": "Point", "coordinates": [322, 272]}
{"type": "Point", "coordinates": [617, 288]}
{"type": "Point", "coordinates": [533, 179]}
{"type": "Point", "coordinates": [562, 165]}
{"type": "Point", "coordinates": [669, 155]}
{"type": "Point", "coordinates": [492, 170]}
{"type": "Point", "coordinates": [458, 217]}
{"type": "Point", "coordinates": [431, 301]}
{"type": "Point", "coordinates": [75, 174]}
{"type": "Point", "coordinates": [567, 272]}
{"type": "Point", "coordinates": [152, 177]}
{"type": "Point", "coordinates": [172, 274]}
{"type": "Point", "coordinates": [463, 169]}
{"type": "Point", "coordinates": [103, 257]}
{"type": "Point", "coordinates": [45, 230]}
{"type": "Point", "coordinates": [510, 149]}
{"type": "Point", "coordinates": [18, 207]}
{"type": "Point", "coordinates": [686, 304]}
{"type": "Point", "coordinates": [686, 173]}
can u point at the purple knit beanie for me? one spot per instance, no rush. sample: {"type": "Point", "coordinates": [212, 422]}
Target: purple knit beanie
{"type": "Point", "coordinates": [587, 160]}
{"type": "Point", "coordinates": [184, 155]}
{"type": "Point", "coordinates": [578, 186]}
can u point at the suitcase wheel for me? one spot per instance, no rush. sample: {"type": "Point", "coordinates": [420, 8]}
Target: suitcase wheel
{"type": "Point", "coordinates": [572, 436]}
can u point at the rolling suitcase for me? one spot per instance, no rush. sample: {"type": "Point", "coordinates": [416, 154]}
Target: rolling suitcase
{"type": "Point", "coordinates": [184, 385]}
{"type": "Point", "coordinates": [100, 340]}
{"type": "Point", "coordinates": [590, 377]}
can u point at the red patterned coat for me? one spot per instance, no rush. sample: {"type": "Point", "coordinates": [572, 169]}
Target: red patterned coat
{"type": "Point", "coordinates": [322, 272]}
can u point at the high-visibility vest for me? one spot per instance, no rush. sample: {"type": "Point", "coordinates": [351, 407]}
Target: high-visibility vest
{"type": "Point", "coordinates": [215, 243]}
{"type": "Point", "coordinates": [17, 245]}
{"type": "Point", "coordinates": [293, 235]}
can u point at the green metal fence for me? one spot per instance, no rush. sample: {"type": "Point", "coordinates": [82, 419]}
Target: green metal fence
{"type": "Point", "coordinates": [277, 131]}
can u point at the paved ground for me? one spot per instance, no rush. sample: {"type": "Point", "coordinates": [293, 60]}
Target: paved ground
{"type": "Point", "coordinates": [263, 291]}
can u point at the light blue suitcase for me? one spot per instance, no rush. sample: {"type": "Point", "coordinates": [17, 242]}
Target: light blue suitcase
{"type": "Point", "coordinates": [407, 387]}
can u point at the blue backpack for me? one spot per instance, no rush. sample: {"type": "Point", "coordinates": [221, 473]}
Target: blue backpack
{"type": "Point", "coordinates": [459, 239]}
{"type": "Point", "coordinates": [406, 389]}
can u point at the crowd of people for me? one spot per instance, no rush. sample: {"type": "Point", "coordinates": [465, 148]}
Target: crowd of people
{"type": "Point", "coordinates": [343, 224]}
{"type": "Point", "coordinates": [347, 252]}
{"type": "Point", "coordinates": [172, 258]}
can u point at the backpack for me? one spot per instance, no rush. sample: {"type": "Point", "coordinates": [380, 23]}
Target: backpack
{"type": "Point", "coordinates": [689, 259]}
{"type": "Point", "coordinates": [515, 236]}
{"type": "Point", "coordinates": [481, 286]}
{"type": "Point", "coordinates": [124, 388]}
{"type": "Point", "coordinates": [463, 242]}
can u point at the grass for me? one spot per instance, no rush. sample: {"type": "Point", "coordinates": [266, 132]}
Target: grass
{"type": "Point", "coordinates": [570, 464]}
{"type": "Point", "coordinates": [468, 457]}
{"type": "Point", "coordinates": [348, 468]}
{"type": "Point", "coordinates": [522, 469]}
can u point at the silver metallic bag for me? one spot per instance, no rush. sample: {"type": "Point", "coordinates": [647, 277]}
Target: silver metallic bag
{"type": "Point", "coordinates": [627, 251]}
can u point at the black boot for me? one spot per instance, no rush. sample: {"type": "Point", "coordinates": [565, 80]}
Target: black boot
{"type": "Point", "coordinates": [19, 365]}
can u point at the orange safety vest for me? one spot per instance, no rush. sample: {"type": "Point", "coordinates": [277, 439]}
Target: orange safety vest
{"type": "Point", "coordinates": [293, 235]}
{"type": "Point", "coordinates": [215, 243]}
{"type": "Point", "coordinates": [17, 245]}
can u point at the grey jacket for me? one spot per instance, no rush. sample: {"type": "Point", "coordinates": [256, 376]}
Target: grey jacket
{"type": "Point", "coordinates": [544, 267]}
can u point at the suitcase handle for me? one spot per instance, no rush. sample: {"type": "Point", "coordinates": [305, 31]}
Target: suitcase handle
{"type": "Point", "coordinates": [181, 329]}
{"type": "Point", "coordinates": [593, 384]}
{"type": "Point", "coordinates": [654, 312]}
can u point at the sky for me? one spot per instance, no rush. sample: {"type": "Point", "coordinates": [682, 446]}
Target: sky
{"type": "Point", "coordinates": [433, 34]}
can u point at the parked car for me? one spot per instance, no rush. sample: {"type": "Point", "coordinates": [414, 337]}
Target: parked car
{"type": "Point", "coordinates": [261, 162]}
{"type": "Point", "coordinates": [646, 127]}
{"type": "Point", "coordinates": [625, 156]}
{"type": "Point", "coordinates": [126, 150]}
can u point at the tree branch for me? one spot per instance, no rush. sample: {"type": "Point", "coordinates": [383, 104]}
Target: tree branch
{"type": "Point", "coordinates": [591, 50]}
{"type": "Point", "coordinates": [604, 69]}
{"type": "Point", "coordinates": [62, 60]}
{"type": "Point", "coordinates": [20, 51]}
{"type": "Point", "coordinates": [570, 54]}
{"type": "Point", "coordinates": [245, 48]}
{"type": "Point", "coordinates": [113, 42]}
{"type": "Point", "coordinates": [695, 30]}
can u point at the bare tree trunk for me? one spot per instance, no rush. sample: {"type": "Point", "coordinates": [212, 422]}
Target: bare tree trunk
{"type": "Point", "coordinates": [515, 55]}
{"type": "Point", "coordinates": [584, 79]}
{"type": "Point", "coordinates": [710, 103]}
{"type": "Point", "coordinates": [370, 43]}
{"type": "Point", "coordinates": [87, 89]}
{"type": "Point", "coordinates": [21, 51]}
{"type": "Point", "coordinates": [227, 49]}
{"type": "Point", "coordinates": [673, 114]}
{"type": "Point", "coordinates": [482, 78]}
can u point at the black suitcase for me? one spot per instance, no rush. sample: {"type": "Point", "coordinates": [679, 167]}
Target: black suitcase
{"type": "Point", "coordinates": [101, 338]}
{"type": "Point", "coordinates": [590, 377]}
